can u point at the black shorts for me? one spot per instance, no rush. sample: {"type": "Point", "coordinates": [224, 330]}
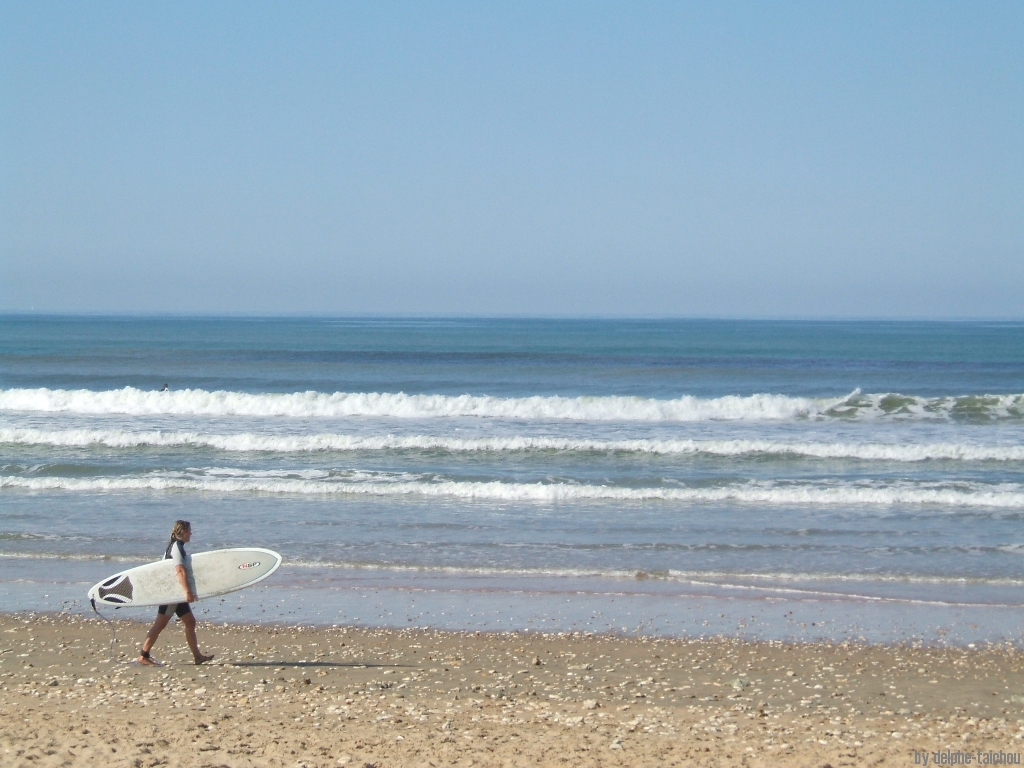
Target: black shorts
{"type": "Point", "coordinates": [180, 609]}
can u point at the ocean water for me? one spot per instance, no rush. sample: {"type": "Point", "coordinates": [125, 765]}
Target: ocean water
{"type": "Point", "coordinates": [763, 479]}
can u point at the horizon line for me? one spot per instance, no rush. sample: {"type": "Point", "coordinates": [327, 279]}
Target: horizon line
{"type": "Point", "coordinates": [522, 317]}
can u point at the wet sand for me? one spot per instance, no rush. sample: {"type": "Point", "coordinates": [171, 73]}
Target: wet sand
{"type": "Point", "coordinates": [291, 696]}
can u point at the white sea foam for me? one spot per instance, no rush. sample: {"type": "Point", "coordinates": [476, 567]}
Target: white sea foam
{"type": "Point", "coordinates": [253, 442]}
{"type": "Point", "coordinates": [776, 580]}
{"type": "Point", "coordinates": [759, 407]}
{"type": "Point", "coordinates": [69, 556]}
{"type": "Point", "coordinates": [1004, 496]}
{"type": "Point", "coordinates": [197, 402]}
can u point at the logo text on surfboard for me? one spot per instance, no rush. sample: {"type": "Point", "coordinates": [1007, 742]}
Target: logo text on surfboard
{"type": "Point", "coordinates": [247, 566]}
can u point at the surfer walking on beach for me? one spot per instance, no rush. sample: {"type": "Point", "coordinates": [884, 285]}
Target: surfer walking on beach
{"type": "Point", "coordinates": [181, 533]}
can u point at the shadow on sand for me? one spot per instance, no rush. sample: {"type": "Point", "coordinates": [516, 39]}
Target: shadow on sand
{"type": "Point", "coordinates": [317, 664]}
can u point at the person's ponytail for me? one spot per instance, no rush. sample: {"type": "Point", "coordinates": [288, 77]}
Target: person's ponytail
{"type": "Point", "coordinates": [181, 527]}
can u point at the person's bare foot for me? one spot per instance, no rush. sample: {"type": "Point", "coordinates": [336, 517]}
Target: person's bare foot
{"type": "Point", "coordinates": [145, 661]}
{"type": "Point", "coordinates": [203, 659]}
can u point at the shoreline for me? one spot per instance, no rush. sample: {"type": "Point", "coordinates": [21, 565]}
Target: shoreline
{"type": "Point", "coordinates": [86, 614]}
{"type": "Point", "coordinates": [326, 696]}
{"type": "Point", "coordinates": [398, 599]}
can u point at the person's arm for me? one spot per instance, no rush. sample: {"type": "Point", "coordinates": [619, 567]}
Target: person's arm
{"type": "Point", "coordinates": [190, 596]}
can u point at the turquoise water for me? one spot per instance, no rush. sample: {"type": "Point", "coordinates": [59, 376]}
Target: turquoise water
{"type": "Point", "coordinates": [770, 479]}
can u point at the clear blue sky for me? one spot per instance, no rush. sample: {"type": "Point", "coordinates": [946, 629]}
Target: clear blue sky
{"type": "Point", "coordinates": [708, 159]}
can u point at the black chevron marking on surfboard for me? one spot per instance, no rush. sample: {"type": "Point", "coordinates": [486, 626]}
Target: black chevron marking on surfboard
{"type": "Point", "coordinates": [117, 589]}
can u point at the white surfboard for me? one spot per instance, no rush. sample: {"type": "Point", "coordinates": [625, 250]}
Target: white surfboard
{"type": "Point", "coordinates": [213, 573]}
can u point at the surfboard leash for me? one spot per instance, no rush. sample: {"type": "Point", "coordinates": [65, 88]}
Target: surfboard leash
{"type": "Point", "coordinates": [113, 633]}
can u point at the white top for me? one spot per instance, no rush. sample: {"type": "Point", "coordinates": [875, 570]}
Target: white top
{"type": "Point", "coordinates": [176, 554]}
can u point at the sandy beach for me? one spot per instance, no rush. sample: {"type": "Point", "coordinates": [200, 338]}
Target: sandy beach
{"type": "Point", "coordinates": [304, 696]}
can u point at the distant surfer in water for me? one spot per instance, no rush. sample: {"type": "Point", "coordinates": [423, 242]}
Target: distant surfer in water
{"type": "Point", "coordinates": [180, 535]}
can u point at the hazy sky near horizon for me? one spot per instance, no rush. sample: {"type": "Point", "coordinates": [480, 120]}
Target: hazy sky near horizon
{"type": "Point", "coordinates": [672, 159]}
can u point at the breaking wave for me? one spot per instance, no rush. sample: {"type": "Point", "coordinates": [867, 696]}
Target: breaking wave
{"type": "Point", "coordinates": [759, 407]}
{"type": "Point", "coordinates": [197, 402]}
{"type": "Point", "coordinates": [246, 442]}
{"type": "Point", "coordinates": [311, 482]}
